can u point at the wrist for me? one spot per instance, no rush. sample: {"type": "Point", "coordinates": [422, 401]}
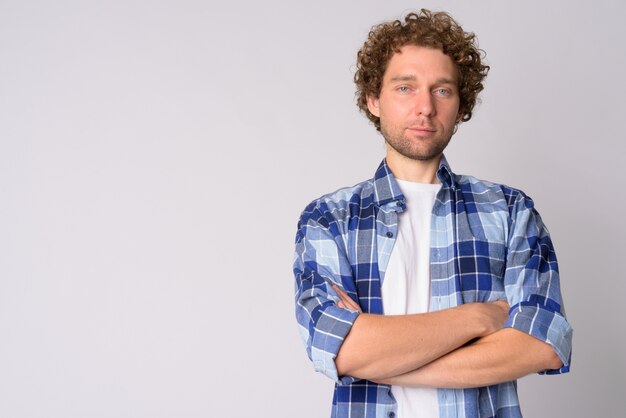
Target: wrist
{"type": "Point", "coordinates": [477, 321]}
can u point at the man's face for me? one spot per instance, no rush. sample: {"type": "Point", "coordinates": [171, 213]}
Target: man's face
{"type": "Point", "coordinates": [418, 105]}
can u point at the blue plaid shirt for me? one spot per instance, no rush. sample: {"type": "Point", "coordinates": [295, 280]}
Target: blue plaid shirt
{"type": "Point", "coordinates": [487, 243]}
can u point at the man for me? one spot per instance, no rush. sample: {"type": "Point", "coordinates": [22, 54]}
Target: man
{"type": "Point", "coordinates": [422, 292]}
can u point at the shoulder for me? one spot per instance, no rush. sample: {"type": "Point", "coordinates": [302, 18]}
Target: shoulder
{"type": "Point", "coordinates": [490, 195]}
{"type": "Point", "coordinates": [339, 205]}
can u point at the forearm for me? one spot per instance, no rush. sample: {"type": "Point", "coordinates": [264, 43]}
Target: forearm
{"type": "Point", "coordinates": [382, 346]}
{"type": "Point", "coordinates": [500, 357]}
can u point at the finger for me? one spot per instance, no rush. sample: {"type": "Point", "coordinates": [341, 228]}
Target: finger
{"type": "Point", "coordinates": [347, 300]}
{"type": "Point", "coordinates": [340, 291]}
{"type": "Point", "coordinates": [341, 305]}
{"type": "Point", "coordinates": [342, 295]}
{"type": "Point", "coordinates": [353, 305]}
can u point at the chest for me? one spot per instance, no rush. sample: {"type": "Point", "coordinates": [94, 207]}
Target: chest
{"type": "Point", "coordinates": [467, 255]}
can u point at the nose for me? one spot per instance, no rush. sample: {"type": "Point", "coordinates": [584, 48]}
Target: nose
{"type": "Point", "coordinates": [424, 104]}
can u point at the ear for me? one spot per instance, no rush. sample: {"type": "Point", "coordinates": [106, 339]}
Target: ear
{"type": "Point", "coordinates": [373, 105]}
{"type": "Point", "coordinates": [459, 116]}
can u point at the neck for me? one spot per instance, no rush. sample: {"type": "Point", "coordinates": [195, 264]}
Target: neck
{"type": "Point", "coordinates": [418, 171]}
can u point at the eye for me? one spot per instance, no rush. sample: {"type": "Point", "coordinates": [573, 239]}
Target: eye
{"type": "Point", "coordinates": [404, 89]}
{"type": "Point", "coordinates": [443, 92]}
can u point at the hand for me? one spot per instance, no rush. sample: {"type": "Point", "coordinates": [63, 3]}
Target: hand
{"type": "Point", "coordinates": [493, 315]}
{"type": "Point", "coordinates": [345, 301]}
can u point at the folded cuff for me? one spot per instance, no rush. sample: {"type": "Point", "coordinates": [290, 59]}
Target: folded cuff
{"type": "Point", "coordinates": [546, 325]}
{"type": "Point", "coordinates": [331, 328]}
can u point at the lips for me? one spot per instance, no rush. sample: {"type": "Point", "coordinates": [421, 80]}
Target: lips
{"type": "Point", "coordinates": [422, 129]}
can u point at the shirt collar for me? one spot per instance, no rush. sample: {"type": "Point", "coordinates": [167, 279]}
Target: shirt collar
{"type": "Point", "coordinates": [446, 175]}
{"type": "Point", "coordinates": [386, 188]}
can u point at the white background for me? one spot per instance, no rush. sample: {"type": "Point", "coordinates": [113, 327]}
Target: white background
{"type": "Point", "coordinates": [155, 156]}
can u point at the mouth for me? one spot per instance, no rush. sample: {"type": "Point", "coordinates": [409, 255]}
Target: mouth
{"type": "Point", "coordinates": [422, 130]}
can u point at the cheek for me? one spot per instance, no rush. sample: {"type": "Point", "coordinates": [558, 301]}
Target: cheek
{"type": "Point", "coordinates": [396, 110]}
{"type": "Point", "coordinates": [449, 113]}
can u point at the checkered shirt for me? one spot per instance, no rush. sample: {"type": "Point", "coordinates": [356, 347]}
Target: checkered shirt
{"type": "Point", "coordinates": [487, 243]}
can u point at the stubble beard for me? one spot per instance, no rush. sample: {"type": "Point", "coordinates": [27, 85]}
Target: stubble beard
{"type": "Point", "coordinates": [415, 149]}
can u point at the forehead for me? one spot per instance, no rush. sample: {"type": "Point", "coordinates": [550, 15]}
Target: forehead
{"type": "Point", "coordinates": [421, 63]}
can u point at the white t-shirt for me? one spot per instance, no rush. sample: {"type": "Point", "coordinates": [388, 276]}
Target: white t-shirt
{"type": "Point", "coordinates": [406, 287]}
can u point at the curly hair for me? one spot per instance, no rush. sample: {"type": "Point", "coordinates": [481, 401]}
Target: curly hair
{"type": "Point", "coordinates": [434, 30]}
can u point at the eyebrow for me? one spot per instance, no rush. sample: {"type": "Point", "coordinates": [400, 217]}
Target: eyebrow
{"type": "Point", "coordinates": [404, 78]}
{"type": "Point", "coordinates": [442, 80]}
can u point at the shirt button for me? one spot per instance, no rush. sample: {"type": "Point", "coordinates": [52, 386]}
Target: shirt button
{"type": "Point", "coordinates": [392, 414]}
{"type": "Point", "coordinates": [398, 203]}
{"type": "Point", "coordinates": [389, 234]}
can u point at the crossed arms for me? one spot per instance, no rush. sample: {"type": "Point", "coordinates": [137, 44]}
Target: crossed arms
{"type": "Point", "coordinates": [431, 349]}
{"type": "Point", "coordinates": [471, 345]}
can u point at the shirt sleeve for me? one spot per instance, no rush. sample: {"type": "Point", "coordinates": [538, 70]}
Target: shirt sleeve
{"type": "Point", "coordinates": [320, 262]}
{"type": "Point", "coordinates": [532, 283]}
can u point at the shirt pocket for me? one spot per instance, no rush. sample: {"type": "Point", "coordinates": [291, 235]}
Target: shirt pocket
{"type": "Point", "coordinates": [481, 265]}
